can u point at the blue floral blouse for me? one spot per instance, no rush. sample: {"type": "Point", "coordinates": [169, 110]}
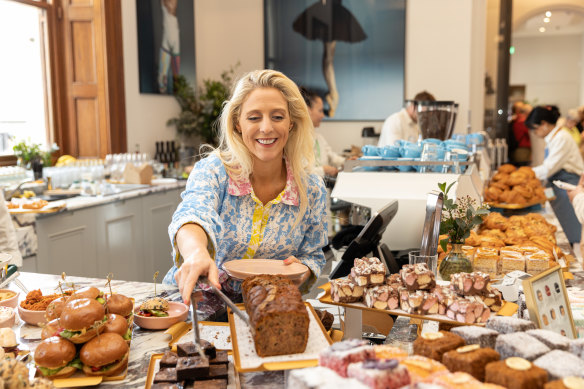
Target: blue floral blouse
{"type": "Point", "coordinates": [239, 226]}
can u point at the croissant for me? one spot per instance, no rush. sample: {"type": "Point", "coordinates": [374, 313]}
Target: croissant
{"type": "Point", "coordinates": [492, 194]}
{"type": "Point", "coordinates": [473, 239]}
{"type": "Point", "coordinates": [501, 185]}
{"type": "Point", "coordinates": [491, 241]}
{"type": "Point", "coordinates": [506, 168]}
{"type": "Point", "coordinates": [516, 178]}
{"type": "Point", "coordinates": [493, 232]}
{"type": "Point", "coordinates": [524, 190]}
{"type": "Point", "coordinates": [502, 177]}
{"type": "Point", "coordinates": [516, 198]}
{"type": "Point", "coordinates": [527, 171]}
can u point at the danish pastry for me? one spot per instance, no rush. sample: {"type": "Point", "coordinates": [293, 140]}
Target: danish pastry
{"type": "Point", "coordinates": [507, 168]}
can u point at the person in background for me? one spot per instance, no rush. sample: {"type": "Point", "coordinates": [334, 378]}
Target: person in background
{"type": "Point", "coordinates": [326, 161]}
{"type": "Point", "coordinates": [169, 53]}
{"type": "Point", "coordinates": [403, 124]}
{"type": "Point", "coordinates": [8, 241]}
{"type": "Point", "coordinates": [569, 124]}
{"type": "Point", "coordinates": [562, 162]}
{"type": "Point", "coordinates": [580, 124]}
{"type": "Point", "coordinates": [522, 153]}
{"type": "Point", "coordinates": [255, 196]}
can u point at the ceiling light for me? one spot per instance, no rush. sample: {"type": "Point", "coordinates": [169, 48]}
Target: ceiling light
{"type": "Point", "coordinates": [542, 29]}
{"type": "Point", "coordinates": [548, 14]}
{"type": "Point", "coordinates": [546, 20]}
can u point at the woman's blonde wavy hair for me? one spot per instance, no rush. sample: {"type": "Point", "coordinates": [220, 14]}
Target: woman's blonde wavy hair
{"type": "Point", "coordinates": [299, 148]}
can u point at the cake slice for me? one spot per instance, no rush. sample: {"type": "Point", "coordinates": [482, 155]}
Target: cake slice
{"type": "Point", "coordinates": [515, 373]}
{"type": "Point", "coordinates": [538, 262]}
{"type": "Point", "coordinates": [345, 291]}
{"type": "Point", "coordinates": [382, 297]}
{"type": "Point", "coordinates": [470, 284]}
{"type": "Point", "coordinates": [339, 355]}
{"type": "Point", "coordinates": [560, 364]}
{"type": "Point", "coordinates": [417, 277]}
{"type": "Point", "coordinates": [435, 344]}
{"type": "Point", "coordinates": [419, 302]}
{"type": "Point", "coordinates": [477, 335]}
{"type": "Point", "coordinates": [519, 344]}
{"type": "Point", "coordinates": [320, 378]}
{"type": "Point", "coordinates": [551, 339]}
{"type": "Point", "coordinates": [471, 359]}
{"type": "Point", "coordinates": [380, 373]}
{"type": "Point", "coordinates": [368, 272]}
{"type": "Point", "coordinates": [422, 368]}
{"type": "Point", "coordinates": [506, 324]}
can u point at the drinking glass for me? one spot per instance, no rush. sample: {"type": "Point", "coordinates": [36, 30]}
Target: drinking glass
{"type": "Point", "coordinates": [430, 152]}
{"type": "Point", "coordinates": [430, 260]}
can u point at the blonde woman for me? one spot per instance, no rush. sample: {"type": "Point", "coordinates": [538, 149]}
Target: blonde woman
{"type": "Point", "coordinates": [255, 196]}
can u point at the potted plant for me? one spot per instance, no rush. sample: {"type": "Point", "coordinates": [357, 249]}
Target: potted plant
{"type": "Point", "coordinates": [200, 108]}
{"type": "Point", "coordinates": [458, 219]}
{"type": "Point", "coordinates": [27, 152]}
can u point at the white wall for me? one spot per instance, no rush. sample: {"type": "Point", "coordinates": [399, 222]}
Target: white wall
{"type": "Point", "coordinates": [550, 68]}
{"type": "Point", "coordinates": [444, 40]}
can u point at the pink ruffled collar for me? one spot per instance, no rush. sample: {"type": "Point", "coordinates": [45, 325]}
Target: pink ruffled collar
{"type": "Point", "coordinates": [242, 187]}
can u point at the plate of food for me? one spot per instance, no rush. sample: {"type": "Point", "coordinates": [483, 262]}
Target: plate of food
{"type": "Point", "coordinates": [244, 268]}
{"type": "Point", "coordinates": [159, 314]}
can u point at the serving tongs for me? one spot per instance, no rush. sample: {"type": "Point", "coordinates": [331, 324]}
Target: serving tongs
{"type": "Point", "coordinates": [10, 274]}
{"type": "Point", "coordinates": [431, 231]}
{"type": "Point", "coordinates": [195, 296]}
{"type": "Point", "coordinates": [227, 301]}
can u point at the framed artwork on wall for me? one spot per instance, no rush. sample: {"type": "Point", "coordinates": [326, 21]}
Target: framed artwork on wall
{"type": "Point", "coordinates": [547, 301]}
{"type": "Point", "coordinates": [166, 43]}
{"type": "Point", "coordinates": [350, 51]}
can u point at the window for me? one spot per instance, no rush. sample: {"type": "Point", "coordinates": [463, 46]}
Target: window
{"type": "Point", "coordinates": [25, 104]}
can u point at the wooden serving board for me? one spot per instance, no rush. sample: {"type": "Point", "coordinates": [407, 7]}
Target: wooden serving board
{"type": "Point", "coordinates": [508, 309]}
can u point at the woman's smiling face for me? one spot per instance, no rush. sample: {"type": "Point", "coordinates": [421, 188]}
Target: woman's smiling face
{"type": "Point", "coordinates": [264, 124]}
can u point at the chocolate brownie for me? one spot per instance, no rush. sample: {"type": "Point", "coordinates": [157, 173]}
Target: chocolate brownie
{"type": "Point", "coordinates": [166, 386]}
{"type": "Point", "coordinates": [166, 375]}
{"type": "Point", "coordinates": [168, 359]}
{"type": "Point", "coordinates": [471, 359]}
{"type": "Point", "coordinates": [221, 358]}
{"type": "Point", "coordinates": [192, 368]}
{"type": "Point", "coordinates": [208, 384]}
{"type": "Point", "coordinates": [189, 349]}
{"type": "Point", "coordinates": [435, 344]}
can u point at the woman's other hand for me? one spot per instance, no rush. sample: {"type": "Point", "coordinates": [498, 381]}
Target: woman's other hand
{"type": "Point", "coordinates": [330, 170]}
{"type": "Point", "coordinates": [579, 189]}
{"type": "Point", "coordinates": [292, 259]}
{"type": "Point", "coordinates": [191, 240]}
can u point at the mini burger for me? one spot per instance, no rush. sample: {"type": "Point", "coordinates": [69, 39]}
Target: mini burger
{"type": "Point", "coordinates": [119, 325]}
{"type": "Point", "coordinates": [55, 358]}
{"type": "Point", "coordinates": [89, 292]}
{"type": "Point", "coordinates": [156, 306]}
{"type": "Point", "coordinates": [55, 308]}
{"type": "Point", "coordinates": [120, 305]}
{"type": "Point", "coordinates": [82, 319]}
{"type": "Point", "coordinates": [52, 328]}
{"type": "Point", "coordinates": [106, 354]}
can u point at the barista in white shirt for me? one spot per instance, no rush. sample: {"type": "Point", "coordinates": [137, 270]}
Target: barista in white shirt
{"type": "Point", "coordinates": [327, 162]}
{"type": "Point", "coordinates": [562, 162]}
{"type": "Point", "coordinates": [403, 124]}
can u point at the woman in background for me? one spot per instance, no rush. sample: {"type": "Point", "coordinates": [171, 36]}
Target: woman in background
{"type": "Point", "coordinates": [255, 195]}
{"type": "Point", "coordinates": [562, 162]}
{"type": "Point", "coordinates": [327, 162]}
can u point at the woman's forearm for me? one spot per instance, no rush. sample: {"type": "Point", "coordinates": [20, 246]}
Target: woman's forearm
{"type": "Point", "coordinates": [191, 239]}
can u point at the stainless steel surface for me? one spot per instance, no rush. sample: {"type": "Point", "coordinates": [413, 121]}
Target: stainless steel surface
{"type": "Point", "coordinates": [195, 323]}
{"type": "Point", "coordinates": [227, 301]}
{"type": "Point", "coordinates": [431, 230]}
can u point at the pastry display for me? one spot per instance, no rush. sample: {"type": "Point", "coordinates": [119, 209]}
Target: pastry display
{"type": "Point", "coordinates": [551, 339]}
{"type": "Point", "coordinates": [384, 351]}
{"type": "Point", "coordinates": [345, 291]}
{"type": "Point", "coordinates": [560, 364]}
{"type": "Point", "coordinates": [435, 344]}
{"type": "Point", "coordinates": [519, 344]}
{"type": "Point", "coordinates": [276, 311]}
{"type": "Point", "coordinates": [417, 277]}
{"type": "Point", "coordinates": [368, 272]}
{"type": "Point", "coordinates": [470, 284]}
{"type": "Point", "coordinates": [382, 297]}
{"type": "Point", "coordinates": [507, 324]}
{"type": "Point", "coordinates": [339, 355]}
{"type": "Point", "coordinates": [516, 373]}
{"type": "Point", "coordinates": [471, 359]}
{"type": "Point", "coordinates": [477, 335]}
{"type": "Point", "coordinates": [518, 186]}
{"type": "Point", "coordinates": [380, 373]}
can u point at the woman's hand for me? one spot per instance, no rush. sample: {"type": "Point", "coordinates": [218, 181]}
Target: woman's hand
{"type": "Point", "coordinates": [579, 189]}
{"type": "Point", "coordinates": [305, 276]}
{"type": "Point", "coordinates": [192, 268]}
{"type": "Point", "coordinates": [330, 170]}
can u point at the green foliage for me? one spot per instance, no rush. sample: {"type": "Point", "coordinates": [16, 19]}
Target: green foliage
{"type": "Point", "coordinates": [458, 219]}
{"type": "Point", "coordinates": [28, 151]}
{"type": "Point", "coordinates": [201, 108]}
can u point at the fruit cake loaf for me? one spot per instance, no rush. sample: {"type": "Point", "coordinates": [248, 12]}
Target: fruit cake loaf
{"type": "Point", "coordinates": [277, 315]}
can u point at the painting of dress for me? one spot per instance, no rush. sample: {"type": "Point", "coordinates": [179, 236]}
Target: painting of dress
{"type": "Point", "coordinates": [351, 51]}
{"type": "Point", "coordinates": [166, 43]}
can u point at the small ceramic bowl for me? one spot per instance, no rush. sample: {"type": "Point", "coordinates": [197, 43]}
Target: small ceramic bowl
{"type": "Point", "coordinates": [7, 317]}
{"type": "Point", "coordinates": [176, 312]}
{"type": "Point", "coordinates": [11, 301]}
{"type": "Point", "coordinates": [34, 318]}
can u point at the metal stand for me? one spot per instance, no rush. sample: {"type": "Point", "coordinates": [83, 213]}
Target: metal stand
{"type": "Point", "coordinates": [353, 323]}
